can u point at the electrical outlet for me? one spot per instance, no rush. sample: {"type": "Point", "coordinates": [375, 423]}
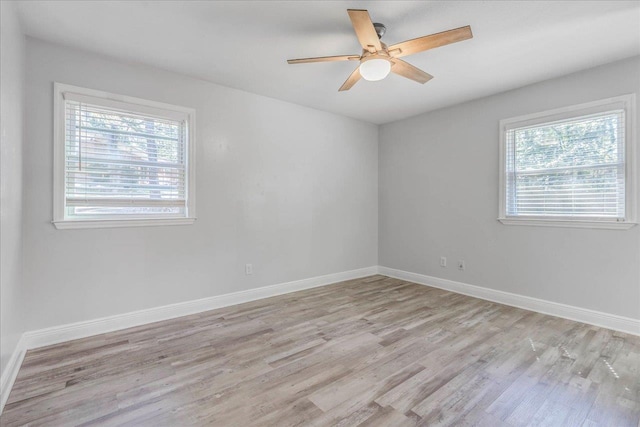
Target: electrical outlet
{"type": "Point", "coordinates": [461, 265]}
{"type": "Point", "coordinates": [248, 269]}
{"type": "Point", "coordinates": [443, 261]}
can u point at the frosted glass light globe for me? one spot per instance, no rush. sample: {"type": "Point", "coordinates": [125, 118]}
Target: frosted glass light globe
{"type": "Point", "coordinates": [375, 69]}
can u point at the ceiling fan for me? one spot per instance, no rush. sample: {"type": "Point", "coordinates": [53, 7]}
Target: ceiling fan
{"type": "Point", "coordinates": [378, 59]}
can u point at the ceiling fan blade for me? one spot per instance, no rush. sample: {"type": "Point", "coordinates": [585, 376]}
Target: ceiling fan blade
{"type": "Point", "coordinates": [363, 26]}
{"type": "Point", "coordinates": [353, 79]}
{"type": "Point", "coordinates": [407, 70]}
{"type": "Point", "coordinates": [324, 59]}
{"type": "Point", "coordinates": [429, 42]}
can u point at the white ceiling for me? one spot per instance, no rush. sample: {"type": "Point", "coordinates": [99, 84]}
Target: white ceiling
{"type": "Point", "coordinates": [245, 44]}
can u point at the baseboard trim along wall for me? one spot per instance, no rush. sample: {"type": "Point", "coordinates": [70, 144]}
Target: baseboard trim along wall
{"type": "Point", "coordinates": [11, 372]}
{"type": "Point", "coordinates": [62, 333]}
{"type": "Point", "coordinates": [592, 317]}
{"type": "Point", "coordinates": [72, 331]}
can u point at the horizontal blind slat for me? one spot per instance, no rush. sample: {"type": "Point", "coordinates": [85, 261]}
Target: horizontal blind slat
{"type": "Point", "coordinates": [72, 201]}
{"type": "Point", "coordinates": [130, 134]}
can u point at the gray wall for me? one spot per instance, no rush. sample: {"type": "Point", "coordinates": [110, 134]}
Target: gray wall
{"type": "Point", "coordinates": [11, 125]}
{"type": "Point", "coordinates": [289, 189]}
{"type": "Point", "coordinates": [295, 192]}
{"type": "Point", "coordinates": [438, 183]}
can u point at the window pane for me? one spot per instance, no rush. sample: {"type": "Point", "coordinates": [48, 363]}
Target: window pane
{"type": "Point", "coordinates": [572, 168]}
{"type": "Point", "coordinates": [581, 142]}
{"type": "Point", "coordinates": [121, 163]}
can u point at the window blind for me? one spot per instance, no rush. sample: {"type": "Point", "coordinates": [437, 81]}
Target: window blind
{"type": "Point", "coordinates": [122, 163]}
{"type": "Point", "coordinates": [572, 168]}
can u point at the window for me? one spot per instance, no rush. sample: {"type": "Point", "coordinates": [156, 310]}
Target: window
{"type": "Point", "coordinates": [570, 167]}
{"type": "Point", "coordinates": [121, 161]}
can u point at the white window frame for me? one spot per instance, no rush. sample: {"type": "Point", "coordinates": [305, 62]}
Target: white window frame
{"type": "Point", "coordinates": [628, 104]}
{"type": "Point", "coordinates": [136, 105]}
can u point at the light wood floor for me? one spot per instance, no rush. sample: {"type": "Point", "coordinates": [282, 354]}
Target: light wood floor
{"type": "Point", "coordinates": [374, 351]}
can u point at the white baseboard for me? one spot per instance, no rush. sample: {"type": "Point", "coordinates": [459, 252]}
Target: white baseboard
{"type": "Point", "coordinates": [72, 331]}
{"type": "Point", "coordinates": [62, 333]}
{"type": "Point", "coordinates": [592, 317]}
{"type": "Point", "coordinates": [10, 373]}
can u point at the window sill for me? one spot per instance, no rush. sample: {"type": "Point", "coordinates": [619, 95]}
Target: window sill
{"type": "Point", "coordinates": [117, 223]}
{"type": "Point", "coordinates": [567, 223]}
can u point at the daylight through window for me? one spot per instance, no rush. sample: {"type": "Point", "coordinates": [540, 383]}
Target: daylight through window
{"type": "Point", "coordinates": [124, 161]}
{"type": "Point", "coordinates": [570, 168]}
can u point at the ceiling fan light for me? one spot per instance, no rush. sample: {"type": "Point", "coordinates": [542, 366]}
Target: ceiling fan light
{"type": "Point", "coordinates": [375, 69]}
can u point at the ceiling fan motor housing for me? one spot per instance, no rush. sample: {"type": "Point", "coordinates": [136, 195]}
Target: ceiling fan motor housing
{"type": "Point", "coordinates": [380, 29]}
